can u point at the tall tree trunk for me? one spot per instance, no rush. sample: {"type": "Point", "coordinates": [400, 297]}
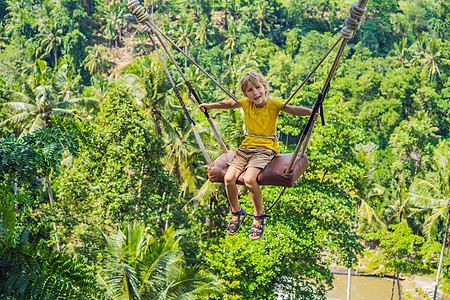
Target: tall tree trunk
{"type": "Point", "coordinates": [139, 194]}
{"type": "Point", "coordinates": [393, 287]}
{"type": "Point", "coordinates": [442, 256]}
{"type": "Point", "coordinates": [185, 58]}
{"type": "Point", "coordinates": [56, 56]}
{"type": "Point", "coordinates": [349, 282]}
{"type": "Point", "coordinates": [50, 196]}
{"type": "Point", "coordinates": [398, 285]}
{"type": "Point", "coordinates": [349, 275]}
{"type": "Point", "coordinates": [167, 219]}
{"type": "Point", "coordinates": [210, 219]}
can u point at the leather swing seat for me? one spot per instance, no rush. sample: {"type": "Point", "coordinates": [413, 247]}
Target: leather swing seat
{"type": "Point", "coordinates": [272, 174]}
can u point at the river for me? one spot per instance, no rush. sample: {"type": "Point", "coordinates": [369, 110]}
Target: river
{"type": "Point", "coordinates": [363, 288]}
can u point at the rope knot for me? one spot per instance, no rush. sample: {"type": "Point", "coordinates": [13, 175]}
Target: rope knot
{"type": "Point", "coordinates": [353, 21]}
{"type": "Point", "coordinates": [145, 28]}
{"type": "Point", "coordinates": [138, 10]}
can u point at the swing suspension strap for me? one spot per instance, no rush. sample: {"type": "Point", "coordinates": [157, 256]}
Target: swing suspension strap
{"type": "Point", "coordinates": [180, 100]}
{"type": "Point", "coordinates": [144, 18]}
{"type": "Point", "coordinates": [352, 23]}
{"type": "Point", "coordinates": [192, 91]}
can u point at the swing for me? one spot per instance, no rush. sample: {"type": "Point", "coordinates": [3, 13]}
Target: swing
{"type": "Point", "coordinates": [273, 174]}
{"type": "Point", "coordinates": [285, 169]}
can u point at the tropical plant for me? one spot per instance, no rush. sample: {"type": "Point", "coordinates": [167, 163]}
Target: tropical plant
{"type": "Point", "coordinates": [114, 21]}
{"type": "Point", "coordinates": [137, 265]}
{"type": "Point", "coordinates": [396, 205]}
{"type": "Point", "coordinates": [40, 154]}
{"type": "Point", "coordinates": [231, 39]}
{"type": "Point", "coordinates": [94, 61]}
{"type": "Point", "coordinates": [35, 271]}
{"type": "Point", "coordinates": [21, 23]}
{"type": "Point", "coordinates": [400, 248]}
{"type": "Point", "coordinates": [433, 195]}
{"type": "Point", "coordinates": [411, 142]}
{"type": "Point", "coordinates": [400, 51]}
{"type": "Point", "coordinates": [204, 30]}
{"type": "Point", "coordinates": [263, 14]}
{"type": "Point", "coordinates": [185, 37]}
{"type": "Point", "coordinates": [366, 192]}
{"type": "Point", "coordinates": [147, 86]}
{"type": "Point", "coordinates": [50, 39]}
{"type": "Point", "coordinates": [119, 177]}
{"type": "Point", "coordinates": [432, 57]}
{"type": "Point", "coordinates": [33, 112]}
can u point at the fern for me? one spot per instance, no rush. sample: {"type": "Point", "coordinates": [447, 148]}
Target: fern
{"type": "Point", "coordinates": [37, 272]}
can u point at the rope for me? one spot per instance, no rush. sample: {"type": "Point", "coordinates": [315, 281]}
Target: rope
{"type": "Point", "coordinates": [180, 100]}
{"type": "Point", "coordinates": [352, 24]}
{"type": "Point", "coordinates": [313, 71]}
{"type": "Point", "coordinates": [353, 21]}
{"type": "Point", "coordinates": [276, 201]}
{"type": "Point", "coordinates": [144, 18]}
{"type": "Point", "coordinates": [146, 28]}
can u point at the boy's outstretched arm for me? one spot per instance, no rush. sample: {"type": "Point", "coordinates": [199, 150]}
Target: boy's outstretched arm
{"type": "Point", "coordinates": [299, 111]}
{"type": "Point", "coordinates": [226, 104]}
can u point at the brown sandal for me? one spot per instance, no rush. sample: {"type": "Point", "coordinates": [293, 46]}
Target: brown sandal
{"type": "Point", "coordinates": [258, 229]}
{"type": "Point", "coordinates": [236, 225]}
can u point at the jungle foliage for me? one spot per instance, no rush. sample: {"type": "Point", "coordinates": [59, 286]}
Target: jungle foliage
{"type": "Point", "coordinates": [104, 190]}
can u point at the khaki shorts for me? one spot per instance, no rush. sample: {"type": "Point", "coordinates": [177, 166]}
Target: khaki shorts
{"type": "Point", "coordinates": [251, 157]}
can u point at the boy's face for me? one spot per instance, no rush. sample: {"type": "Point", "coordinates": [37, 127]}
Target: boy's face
{"type": "Point", "coordinates": [256, 93]}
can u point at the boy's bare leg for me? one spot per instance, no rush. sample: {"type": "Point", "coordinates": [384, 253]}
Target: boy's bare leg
{"type": "Point", "coordinates": [230, 178]}
{"type": "Point", "coordinates": [255, 193]}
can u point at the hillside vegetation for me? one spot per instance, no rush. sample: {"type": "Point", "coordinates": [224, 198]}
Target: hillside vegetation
{"type": "Point", "coordinates": [103, 188]}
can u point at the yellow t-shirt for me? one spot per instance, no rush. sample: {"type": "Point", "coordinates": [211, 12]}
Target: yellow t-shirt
{"type": "Point", "coordinates": [261, 121]}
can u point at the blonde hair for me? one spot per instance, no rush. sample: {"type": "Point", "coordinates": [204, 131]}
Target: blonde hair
{"type": "Point", "coordinates": [256, 79]}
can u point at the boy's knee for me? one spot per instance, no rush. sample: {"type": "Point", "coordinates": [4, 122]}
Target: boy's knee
{"type": "Point", "coordinates": [229, 179]}
{"type": "Point", "coordinates": [250, 181]}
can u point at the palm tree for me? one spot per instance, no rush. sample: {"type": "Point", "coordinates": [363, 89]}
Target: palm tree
{"type": "Point", "coordinates": [185, 37]}
{"type": "Point", "coordinates": [433, 194]}
{"type": "Point", "coordinates": [432, 56]}
{"type": "Point", "coordinates": [401, 50]}
{"type": "Point", "coordinates": [114, 21]}
{"type": "Point", "coordinates": [32, 107]}
{"type": "Point", "coordinates": [232, 38]}
{"type": "Point", "coordinates": [419, 47]}
{"type": "Point", "coordinates": [66, 85]}
{"type": "Point", "coordinates": [146, 79]}
{"type": "Point", "coordinates": [50, 39]}
{"type": "Point", "coordinates": [396, 201]}
{"type": "Point", "coordinates": [138, 265]}
{"type": "Point", "coordinates": [427, 53]}
{"type": "Point", "coordinates": [94, 61]}
{"type": "Point", "coordinates": [203, 29]}
{"type": "Point", "coordinates": [365, 192]}
{"type": "Point", "coordinates": [263, 14]}
{"type": "Point", "coordinates": [19, 15]}
{"type": "Point", "coordinates": [183, 152]}
{"type": "Point", "coordinates": [99, 88]}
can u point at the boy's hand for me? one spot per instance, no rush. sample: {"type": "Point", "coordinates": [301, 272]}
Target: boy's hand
{"type": "Point", "coordinates": [204, 107]}
{"type": "Point", "coordinates": [316, 116]}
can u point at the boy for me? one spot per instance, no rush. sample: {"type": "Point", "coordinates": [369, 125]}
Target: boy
{"type": "Point", "coordinates": [258, 148]}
